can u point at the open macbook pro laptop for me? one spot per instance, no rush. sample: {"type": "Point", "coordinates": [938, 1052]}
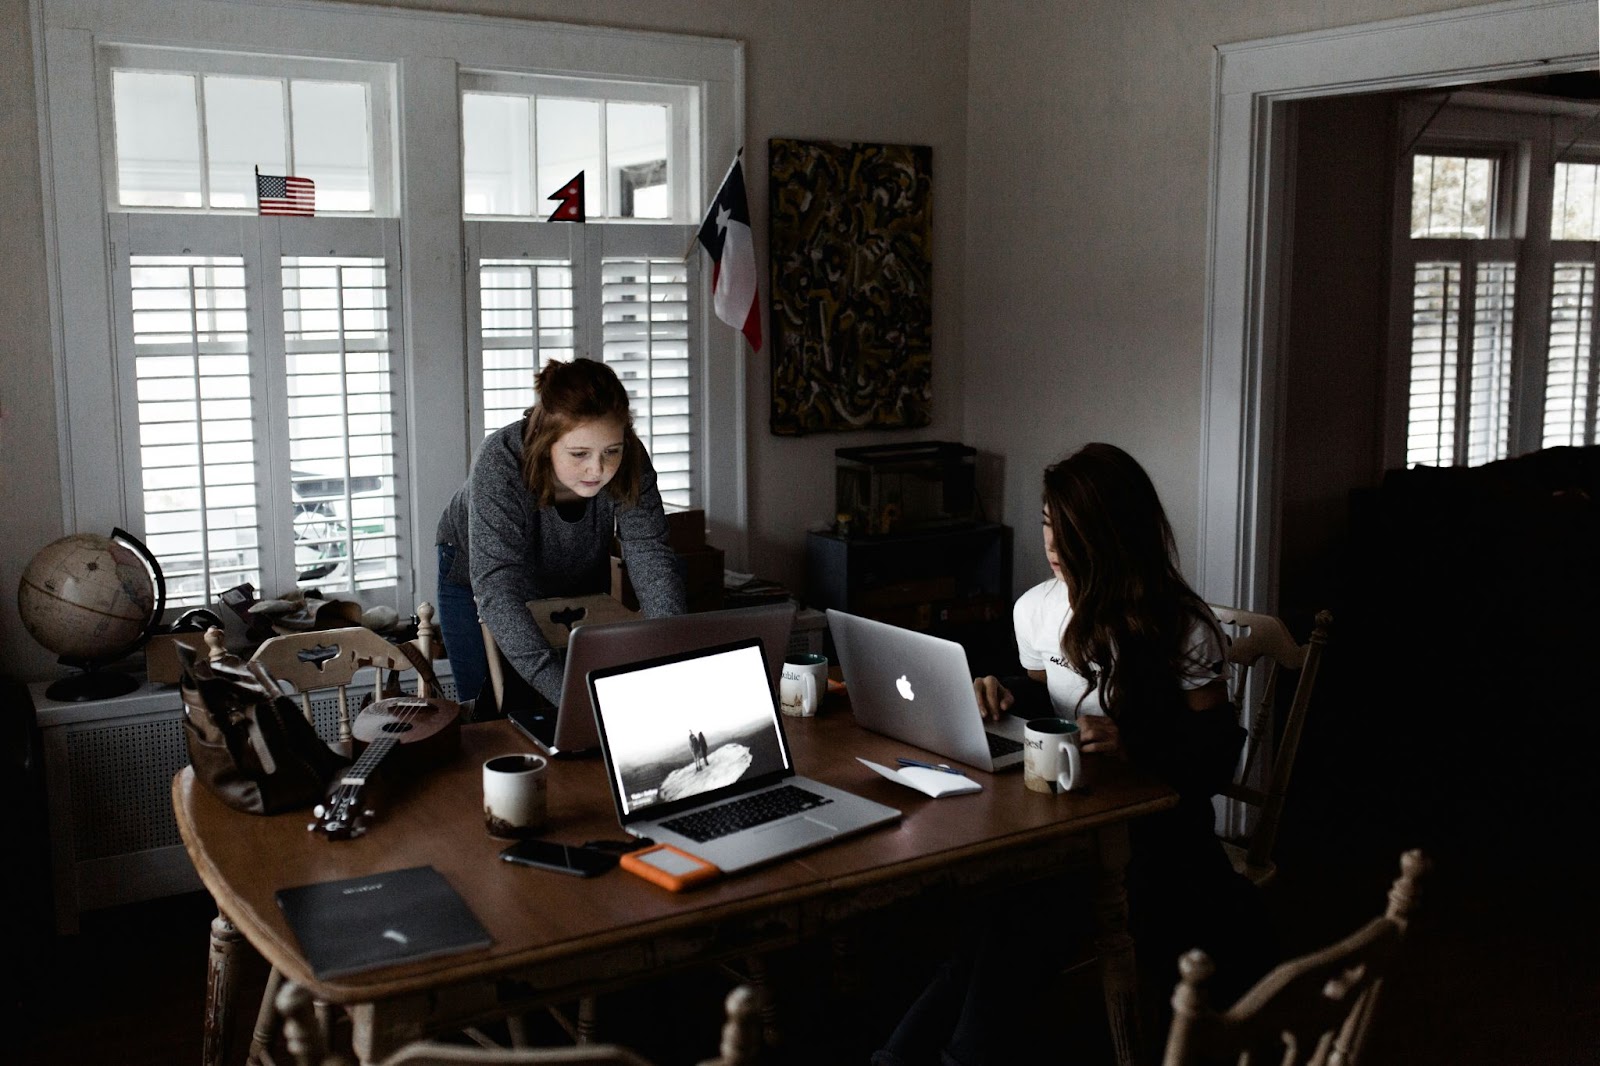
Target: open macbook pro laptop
{"type": "Point", "coordinates": [916, 687]}
{"type": "Point", "coordinates": [568, 729]}
{"type": "Point", "coordinates": [696, 757]}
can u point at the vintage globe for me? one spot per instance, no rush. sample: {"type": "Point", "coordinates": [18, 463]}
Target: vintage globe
{"type": "Point", "coordinates": [90, 599]}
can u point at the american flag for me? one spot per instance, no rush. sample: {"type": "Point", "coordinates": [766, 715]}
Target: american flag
{"type": "Point", "coordinates": [280, 195]}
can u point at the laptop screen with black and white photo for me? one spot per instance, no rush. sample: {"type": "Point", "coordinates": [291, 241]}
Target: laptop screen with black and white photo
{"type": "Point", "coordinates": [696, 757]}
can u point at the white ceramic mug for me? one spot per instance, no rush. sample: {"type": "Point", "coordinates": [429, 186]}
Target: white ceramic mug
{"type": "Point", "coordinates": [805, 682]}
{"type": "Point", "coordinates": [1051, 761]}
{"type": "Point", "coordinates": [515, 800]}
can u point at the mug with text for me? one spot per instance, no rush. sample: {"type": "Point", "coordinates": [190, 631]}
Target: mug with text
{"type": "Point", "coordinates": [515, 795]}
{"type": "Point", "coordinates": [1051, 761]}
{"type": "Point", "coordinates": [805, 682]}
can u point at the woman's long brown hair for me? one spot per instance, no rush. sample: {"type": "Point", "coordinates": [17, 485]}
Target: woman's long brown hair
{"type": "Point", "coordinates": [570, 394]}
{"type": "Point", "coordinates": [1132, 611]}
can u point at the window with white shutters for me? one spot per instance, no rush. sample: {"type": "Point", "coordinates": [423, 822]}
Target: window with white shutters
{"type": "Point", "coordinates": [261, 390]}
{"type": "Point", "coordinates": [1462, 313]}
{"type": "Point", "coordinates": [197, 449]}
{"type": "Point", "coordinates": [592, 292]}
{"type": "Point", "coordinates": [1462, 299]}
{"type": "Point", "coordinates": [605, 291]}
{"type": "Point", "coordinates": [1435, 352]}
{"type": "Point", "coordinates": [645, 339]}
{"type": "Point", "coordinates": [1496, 251]}
{"type": "Point", "coordinates": [526, 320]}
{"type": "Point", "coordinates": [340, 385]}
{"type": "Point", "coordinates": [283, 400]}
{"type": "Point", "coordinates": [1570, 380]}
{"type": "Point", "coordinates": [1488, 407]}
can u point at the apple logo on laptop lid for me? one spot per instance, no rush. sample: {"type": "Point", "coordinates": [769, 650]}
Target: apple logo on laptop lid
{"type": "Point", "coordinates": [903, 683]}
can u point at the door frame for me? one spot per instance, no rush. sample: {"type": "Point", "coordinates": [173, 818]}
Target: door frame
{"type": "Point", "coordinates": [1249, 236]}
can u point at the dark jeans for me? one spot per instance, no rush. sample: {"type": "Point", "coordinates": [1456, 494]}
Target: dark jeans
{"type": "Point", "coordinates": [463, 639]}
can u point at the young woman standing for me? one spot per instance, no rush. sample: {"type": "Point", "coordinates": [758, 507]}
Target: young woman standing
{"type": "Point", "coordinates": [536, 519]}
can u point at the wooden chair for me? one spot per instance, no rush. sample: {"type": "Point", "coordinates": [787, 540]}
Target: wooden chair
{"type": "Point", "coordinates": [1257, 638]}
{"type": "Point", "coordinates": [1315, 1010]}
{"type": "Point", "coordinates": [307, 1041]}
{"type": "Point", "coordinates": [323, 659]}
{"type": "Point", "coordinates": [594, 608]}
{"type": "Point", "coordinates": [332, 658]}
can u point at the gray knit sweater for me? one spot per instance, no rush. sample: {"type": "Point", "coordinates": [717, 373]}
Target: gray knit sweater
{"type": "Point", "coordinates": [509, 550]}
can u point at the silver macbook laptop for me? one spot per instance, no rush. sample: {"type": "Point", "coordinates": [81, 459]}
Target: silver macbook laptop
{"type": "Point", "coordinates": [696, 757]}
{"type": "Point", "coordinates": [568, 729]}
{"type": "Point", "coordinates": [916, 687]}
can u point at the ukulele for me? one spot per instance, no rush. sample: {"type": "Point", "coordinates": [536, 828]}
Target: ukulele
{"type": "Point", "coordinates": [417, 730]}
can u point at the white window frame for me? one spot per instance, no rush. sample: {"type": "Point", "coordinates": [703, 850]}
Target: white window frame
{"type": "Point", "coordinates": [684, 134]}
{"type": "Point", "coordinates": [427, 52]}
{"type": "Point", "coordinates": [377, 77]}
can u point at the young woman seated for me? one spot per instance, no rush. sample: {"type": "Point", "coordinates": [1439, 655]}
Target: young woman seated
{"type": "Point", "coordinates": [1119, 641]}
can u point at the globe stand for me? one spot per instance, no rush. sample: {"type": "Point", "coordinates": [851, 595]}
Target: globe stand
{"type": "Point", "coordinates": [93, 683]}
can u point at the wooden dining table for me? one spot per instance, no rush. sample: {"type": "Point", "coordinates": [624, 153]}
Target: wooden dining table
{"type": "Point", "coordinates": [557, 938]}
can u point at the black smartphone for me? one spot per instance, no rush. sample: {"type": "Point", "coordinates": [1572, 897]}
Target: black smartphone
{"type": "Point", "coordinates": [566, 858]}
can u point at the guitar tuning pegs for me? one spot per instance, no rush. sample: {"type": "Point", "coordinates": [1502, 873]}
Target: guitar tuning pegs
{"type": "Point", "coordinates": [311, 827]}
{"type": "Point", "coordinates": [319, 810]}
{"type": "Point", "coordinates": [368, 813]}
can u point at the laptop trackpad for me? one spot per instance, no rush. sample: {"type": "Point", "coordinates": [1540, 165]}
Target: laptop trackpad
{"type": "Point", "coordinates": [797, 832]}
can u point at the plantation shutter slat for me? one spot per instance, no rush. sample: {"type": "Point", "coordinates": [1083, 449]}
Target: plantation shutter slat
{"type": "Point", "coordinates": [197, 448]}
{"type": "Point", "coordinates": [645, 339]}
{"type": "Point", "coordinates": [1570, 378]}
{"type": "Point", "coordinates": [341, 404]}
{"type": "Point", "coordinates": [526, 309]}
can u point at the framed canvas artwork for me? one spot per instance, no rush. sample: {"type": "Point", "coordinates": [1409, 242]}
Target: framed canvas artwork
{"type": "Point", "coordinates": [852, 293]}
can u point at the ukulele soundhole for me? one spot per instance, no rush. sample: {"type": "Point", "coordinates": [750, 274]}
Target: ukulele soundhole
{"type": "Point", "coordinates": [398, 727]}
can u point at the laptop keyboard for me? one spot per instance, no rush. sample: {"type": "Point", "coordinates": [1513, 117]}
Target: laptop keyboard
{"type": "Point", "coordinates": [999, 745]}
{"type": "Point", "coordinates": [763, 807]}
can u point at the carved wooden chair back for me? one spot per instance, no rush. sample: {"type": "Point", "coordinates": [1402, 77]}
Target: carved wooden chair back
{"type": "Point", "coordinates": [333, 658]}
{"type": "Point", "coordinates": [307, 1042]}
{"type": "Point", "coordinates": [1315, 1010]}
{"type": "Point", "coordinates": [1261, 639]}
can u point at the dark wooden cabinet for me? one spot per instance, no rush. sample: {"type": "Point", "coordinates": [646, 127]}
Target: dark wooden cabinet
{"type": "Point", "coordinates": [953, 582]}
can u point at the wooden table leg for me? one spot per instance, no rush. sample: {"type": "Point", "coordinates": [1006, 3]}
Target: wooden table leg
{"type": "Point", "coordinates": [760, 982]}
{"type": "Point", "coordinates": [267, 1019]}
{"type": "Point", "coordinates": [220, 976]}
{"type": "Point", "coordinates": [588, 1020]}
{"type": "Point", "coordinates": [303, 1030]}
{"type": "Point", "coordinates": [1114, 945]}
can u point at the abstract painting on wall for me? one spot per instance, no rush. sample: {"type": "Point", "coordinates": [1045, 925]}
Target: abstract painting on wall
{"type": "Point", "coordinates": [852, 297]}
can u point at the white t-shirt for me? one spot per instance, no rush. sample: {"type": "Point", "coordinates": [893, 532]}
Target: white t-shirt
{"type": "Point", "coordinates": [1040, 617]}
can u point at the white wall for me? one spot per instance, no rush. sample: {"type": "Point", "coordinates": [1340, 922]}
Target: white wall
{"type": "Point", "coordinates": [30, 477]}
{"type": "Point", "coordinates": [1090, 131]}
{"type": "Point", "coordinates": [891, 71]}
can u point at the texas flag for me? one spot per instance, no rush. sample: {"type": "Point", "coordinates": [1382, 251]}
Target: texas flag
{"type": "Point", "coordinates": [725, 234]}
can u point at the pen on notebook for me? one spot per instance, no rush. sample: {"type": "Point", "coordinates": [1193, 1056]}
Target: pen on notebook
{"type": "Point", "coordinates": [928, 765]}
